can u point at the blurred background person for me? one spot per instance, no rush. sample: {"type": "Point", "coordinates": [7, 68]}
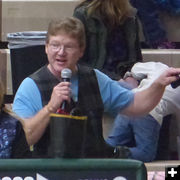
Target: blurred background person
{"type": "Point", "coordinates": [112, 35]}
{"type": "Point", "coordinates": [9, 125]}
{"type": "Point", "coordinates": [141, 134]}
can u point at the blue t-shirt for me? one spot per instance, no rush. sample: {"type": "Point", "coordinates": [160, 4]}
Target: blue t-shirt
{"type": "Point", "coordinates": [115, 98]}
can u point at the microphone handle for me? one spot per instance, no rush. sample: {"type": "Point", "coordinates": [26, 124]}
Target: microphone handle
{"type": "Point", "coordinates": [64, 106]}
{"type": "Point", "coordinates": [65, 79]}
{"type": "Point", "coordinates": [64, 103]}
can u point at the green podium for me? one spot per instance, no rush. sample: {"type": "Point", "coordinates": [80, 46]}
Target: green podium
{"type": "Point", "coordinates": [72, 169]}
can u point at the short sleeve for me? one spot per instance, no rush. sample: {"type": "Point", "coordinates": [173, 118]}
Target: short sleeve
{"type": "Point", "coordinates": [114, 96]}
{"type": "Point", "coordinates": [27, 101]}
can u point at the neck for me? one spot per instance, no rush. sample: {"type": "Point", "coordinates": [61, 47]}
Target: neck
{"type": "Point", "coordinates": [58, 74]}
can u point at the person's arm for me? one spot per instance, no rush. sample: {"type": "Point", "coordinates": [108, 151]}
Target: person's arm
{"type": "Point", "coordinates": [34, 127]}
{"type": "Point", "coordinates": [79, 14]}
{"type": "Point", "coordinates": [27, 105]}
{"type": "Point", "coordinates": [147, 99]}
{"type": "Point", "coordinates": [114, 95]}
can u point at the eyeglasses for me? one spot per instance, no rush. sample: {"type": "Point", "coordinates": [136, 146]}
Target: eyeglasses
{"type": "Point", "coordinates": [57, 47]}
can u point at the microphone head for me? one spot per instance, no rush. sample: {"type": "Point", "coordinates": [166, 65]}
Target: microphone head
{"type": "Point", "coordinates": [66, 73]}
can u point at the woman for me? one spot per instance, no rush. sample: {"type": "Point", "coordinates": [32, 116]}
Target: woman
{"type": "Point", "coordinates": [9, 127]}
{"type": "Point", "coordinates": [111, 35]}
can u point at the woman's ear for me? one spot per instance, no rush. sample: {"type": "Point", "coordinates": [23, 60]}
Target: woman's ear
{"type": "Point", "coordinates": [46, 48]}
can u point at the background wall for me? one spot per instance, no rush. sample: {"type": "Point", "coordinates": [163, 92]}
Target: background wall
{"type": "Point", "coordinates": [28, 15]}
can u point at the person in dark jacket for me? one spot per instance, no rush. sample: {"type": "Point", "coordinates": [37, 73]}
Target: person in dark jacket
{"type": "Point", "coordinates": [112, 35]}
{"type": "Point", "coordinates": [141, 134]}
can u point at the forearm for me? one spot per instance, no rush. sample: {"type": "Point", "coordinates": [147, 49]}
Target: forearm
{"type": "Point", "coordinates": [149, 97]}
{"type": "Point", "coordinates": [146, 100]}
{"type": "Point", "coordinates": [34, 127]}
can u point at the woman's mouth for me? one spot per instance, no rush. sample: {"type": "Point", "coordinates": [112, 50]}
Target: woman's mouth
{"type": "Point", "coordinates": [61, 60]}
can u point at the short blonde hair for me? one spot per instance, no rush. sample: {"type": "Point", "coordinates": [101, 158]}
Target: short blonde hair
{"type": "Point", "coordinates": [71, 26]}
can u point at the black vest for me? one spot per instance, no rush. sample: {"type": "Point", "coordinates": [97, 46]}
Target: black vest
{"type": "Point", "coordinates": [89, 101]}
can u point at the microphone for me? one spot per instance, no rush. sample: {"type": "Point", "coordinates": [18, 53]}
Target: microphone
{"type": "Point", "coordinates": [65, 107]}
{"type": "Point", "coordinates": [65, 77]}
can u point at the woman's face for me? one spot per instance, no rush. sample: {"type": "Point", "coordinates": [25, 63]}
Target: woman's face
{"type": "Point", "coordinates": [63, 51]}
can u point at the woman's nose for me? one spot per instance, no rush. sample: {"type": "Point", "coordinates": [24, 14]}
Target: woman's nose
{"type": "Point", "coordinates": [61, 50]}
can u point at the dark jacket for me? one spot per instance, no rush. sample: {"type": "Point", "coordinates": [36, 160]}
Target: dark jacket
{"type": "Point", "coordinates": [96, 38]}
